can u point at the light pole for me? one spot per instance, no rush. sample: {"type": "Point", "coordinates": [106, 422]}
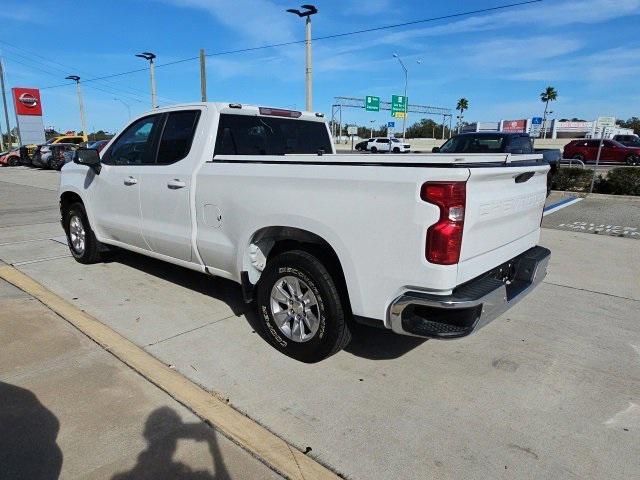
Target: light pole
{"type": "Point", "coordinates": [406, 78]}
{"type": "Point", "coordinates": [371, 122]}
{"type": "Point", "coordinates": [309, 10]}
{"type": "Point", "coordinates": [83, 120]}
{"type": "Point", "coordinates": [125, 104]}
{"type": "Point", "coordinates": [152, 70]}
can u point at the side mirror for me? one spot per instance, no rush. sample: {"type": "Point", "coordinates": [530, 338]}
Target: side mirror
{"type": "Point", "coordinates": [89, 157]}
{"type": "Point", "coordinates": [435, 150]}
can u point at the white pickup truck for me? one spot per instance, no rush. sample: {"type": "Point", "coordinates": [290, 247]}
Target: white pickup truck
{"type": "Point", "coordinates": [427, 245]}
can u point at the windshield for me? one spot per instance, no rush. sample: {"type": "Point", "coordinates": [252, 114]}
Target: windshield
{"type": "Point", "coordinates": [395, 140]}
{"type": "Point", "coordinates": [474, 144]}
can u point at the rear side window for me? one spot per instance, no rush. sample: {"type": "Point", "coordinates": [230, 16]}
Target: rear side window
{"type": "Point", "coordinates": [259, 135]}
{"type": "Point", "coordinates": [521, 144]}
{"type": "Point", "coordinates": [177, 136]}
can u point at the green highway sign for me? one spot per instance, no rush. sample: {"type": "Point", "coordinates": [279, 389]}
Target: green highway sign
{"type": "Point", "coordinates": [372, 104]}
{"type": "Point", "coordinates": [398, 105]}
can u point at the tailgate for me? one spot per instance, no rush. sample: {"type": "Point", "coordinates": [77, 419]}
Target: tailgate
{"type": "Point", "coordinates": [502, 216]}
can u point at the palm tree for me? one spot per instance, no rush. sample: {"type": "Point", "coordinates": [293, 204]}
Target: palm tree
{"type": "Point", "coordinates": [550, 94]}
{"type": "Point", "coordinates": [463, 104]}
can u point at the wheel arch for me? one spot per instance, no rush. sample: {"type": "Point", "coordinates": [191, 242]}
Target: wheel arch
{"type": "Point", "coordinates": [267, 242]}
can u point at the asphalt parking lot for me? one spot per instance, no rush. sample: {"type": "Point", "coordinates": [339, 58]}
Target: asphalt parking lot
{"type": "Point", "coordinates": [551, 389]}
{"type": "Point", "coordinates": [598, 214]}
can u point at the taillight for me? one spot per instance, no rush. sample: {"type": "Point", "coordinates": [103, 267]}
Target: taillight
{"type": "Point", "coordinates": [444, 238]}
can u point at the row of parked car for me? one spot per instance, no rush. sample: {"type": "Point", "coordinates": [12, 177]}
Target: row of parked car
{"type": "Point", "coordinates": [50, 155]}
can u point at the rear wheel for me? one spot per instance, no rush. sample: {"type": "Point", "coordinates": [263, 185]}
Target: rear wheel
{"type": "Point", "coordinates": [633, 159]}
{"type": "Point", "coordinates": [14, 161]}
{"type": "Point", "coordinates": [578, 156]}
{"type": "Point", "coordinates": [374, 149]}
{"type": "Point", "coordinates": [300, 308]}
{"type": "Point", "coordinates": [82, 241]}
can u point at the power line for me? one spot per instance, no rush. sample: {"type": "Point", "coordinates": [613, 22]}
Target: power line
{"type": "Point", "coordinates": [48, 72]}
{"type": "Point", "coordinates": [127, 90]}
{"type": "Point", "coordinates": [325, 37]}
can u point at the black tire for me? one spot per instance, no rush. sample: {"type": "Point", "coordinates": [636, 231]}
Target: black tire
{"type": "Point", "coordinates": [633, 159]}
{"type": "Point", "coordinates": [90, 253]}
{"type": "Point", "coordinates": [396, 150]}
{"type": "Point", "coordinates": [14, 162]}
{"type": "Point", "coordinates": [374, 150]}
{"type": "Point", "coordinates": [578, 157]}
{"type": "Point", "coordinates": [332, 333]}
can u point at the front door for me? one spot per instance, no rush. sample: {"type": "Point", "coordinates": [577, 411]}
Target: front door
{"type": "Point", "coordinates": [166, 186]}
{"type": "Point", "coordinates": [116, 190]}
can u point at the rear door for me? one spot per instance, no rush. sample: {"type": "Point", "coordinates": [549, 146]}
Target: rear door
{"type": "Point", "coordinates": [166, 185]}
{"type": "Point", "coordinates": [502, 215]}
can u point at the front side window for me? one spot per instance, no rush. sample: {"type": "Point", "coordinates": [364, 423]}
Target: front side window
{"type": "Point", "coordinates": [177, 136]}
{"type": "Point", "coordinates": [262, 135]}
{"type": "Point", "coordinates": [134, 145]}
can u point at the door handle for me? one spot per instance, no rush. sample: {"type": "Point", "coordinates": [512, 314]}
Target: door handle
{"type": "Point", "coordinates": [130, 181]}
{"type": "Point", "coordinates": [175, 184]}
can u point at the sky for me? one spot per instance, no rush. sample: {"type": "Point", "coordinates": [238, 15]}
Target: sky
{"type": "Point", "coordinates": [589, 50]}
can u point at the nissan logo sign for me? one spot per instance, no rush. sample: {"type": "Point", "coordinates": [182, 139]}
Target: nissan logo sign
{"type": "Point", "coordinates": [28, 100]}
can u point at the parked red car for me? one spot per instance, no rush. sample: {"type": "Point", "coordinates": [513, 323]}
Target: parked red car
{"type": "Point", "coordinates": [612, 151]}
{"type": "Point", "coordinates": [10, 158]}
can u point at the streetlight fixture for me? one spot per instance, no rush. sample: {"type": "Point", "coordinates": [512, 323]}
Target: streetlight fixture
{"type": "Point", "coordinates": [309, 10]}
{"type": "Point", "coordinates": [152, 70]}
{"type": "Point", "coordinates": [125, 104]}
{"type": "Point", "coordinates": [406, 103]}
{"type": "Point", "coordinates": [83, 120]}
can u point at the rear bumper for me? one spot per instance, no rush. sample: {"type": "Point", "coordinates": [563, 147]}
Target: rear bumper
{"type": "Point", "coordinates": [471, 305]}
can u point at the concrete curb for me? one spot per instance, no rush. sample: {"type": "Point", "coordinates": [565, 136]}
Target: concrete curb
{"type": "Point", "coordinates": [273, 451]}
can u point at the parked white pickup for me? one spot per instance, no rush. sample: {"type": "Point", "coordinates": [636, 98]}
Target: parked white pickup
{"type": "Point", "coordinates": [428, 245]}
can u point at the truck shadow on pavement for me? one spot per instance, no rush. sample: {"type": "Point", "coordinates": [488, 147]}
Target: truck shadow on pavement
{"type": "Point", "coordinates": [368, 342]}
{"type": "Point", "coordinates": [162, 430]}
{"type": "Point", "coordinates": [28, 432]}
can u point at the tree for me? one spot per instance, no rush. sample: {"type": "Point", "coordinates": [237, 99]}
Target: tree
{"type": "Point", "coordinates": [463, 104]}
{"type": "Point", "coordinates": [633, 122]}
{"type": "Point", "coordinates": [549, 94]}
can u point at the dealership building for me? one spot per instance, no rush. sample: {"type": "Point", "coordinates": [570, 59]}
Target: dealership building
{"type": "Point", "coordinates": [555, 128]}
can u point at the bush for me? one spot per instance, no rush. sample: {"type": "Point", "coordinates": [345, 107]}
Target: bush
{"type": "Point", "coordinates": [572, 179]}
{"type": "Point", "coordinates": [618, 181]}
{"type": "Point", "coordinates": [621, 181]}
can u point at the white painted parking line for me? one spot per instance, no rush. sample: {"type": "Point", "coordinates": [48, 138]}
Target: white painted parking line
{"type": "Point", "coordinates": [554, 207]}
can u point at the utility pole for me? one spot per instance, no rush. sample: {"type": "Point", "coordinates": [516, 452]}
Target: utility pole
{"type": "Point", "coordinates": [4, 102]}
{"type": "Point", "coordinates": [203, 76]}
{"type": "Point", "coordinates": [309, 10]}
{"type": "Point", "coordinates": [152, 71]}
{"type": "Point", "coordinates": [83, 120]}
{"type": "Point", "coordinates": [372, 122]}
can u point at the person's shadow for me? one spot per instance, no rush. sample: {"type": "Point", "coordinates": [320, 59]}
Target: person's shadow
{"type": "Point", "coordinates": [28, 432]}
{"type": "Point", "coordinates": [162, 431]}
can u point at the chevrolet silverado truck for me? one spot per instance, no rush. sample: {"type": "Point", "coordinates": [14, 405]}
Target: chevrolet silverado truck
{"type": "Point", "coordinates": [427, 245]}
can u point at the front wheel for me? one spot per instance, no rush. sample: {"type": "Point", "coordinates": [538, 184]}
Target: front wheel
{"type": "Point", "coordinates": [300, 308]}
{"type": "Point", "coordinates": [82, 241]}
{"type": "Point", "coordinates": [374, 149]}
{"type": "Point", "coordinates": [396, 150]}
